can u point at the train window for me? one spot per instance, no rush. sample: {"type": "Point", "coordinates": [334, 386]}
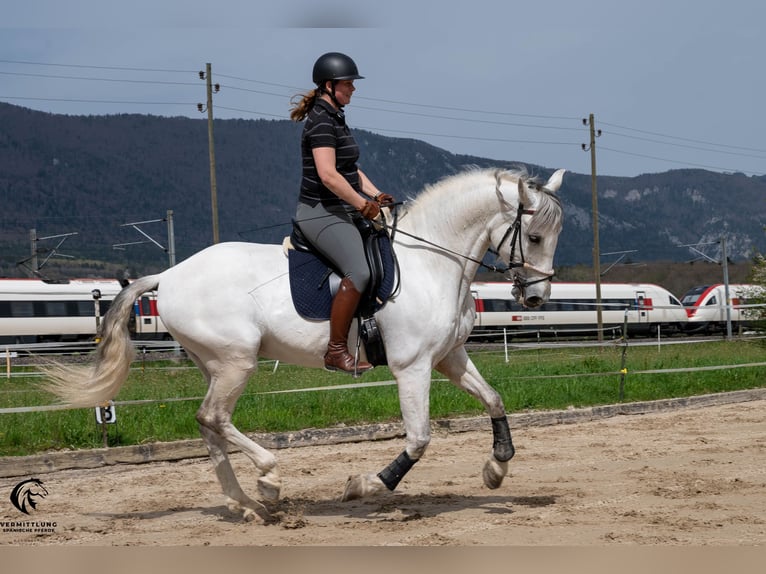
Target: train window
{"type": "Point", "coordinates": [55, 309]}
{"type": "Point", "coordinates": [712, 301]}
{"type": "Point", "coordinates": [22, 309]}
{"type": "Point", "coordinates": [85, 308]}
{"type": "Point", "coordinates": [490, 306]}
{"type": "Point", "coordinates": [146, 308]}
{"type": "Point", "coordinates": [5, 308]}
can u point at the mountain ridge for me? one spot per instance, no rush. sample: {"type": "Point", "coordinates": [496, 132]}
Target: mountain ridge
{"type": "Point", "coordinates": [92, 175]}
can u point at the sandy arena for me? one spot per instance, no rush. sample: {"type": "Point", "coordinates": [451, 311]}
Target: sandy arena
{"type": "Point", "coordinates": [694, 476]}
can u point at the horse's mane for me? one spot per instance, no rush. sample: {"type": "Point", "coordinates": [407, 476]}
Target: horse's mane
{"type": "Point", "coordinates": [453, 180]}
{"type": "Point", "coordinates": [549, 212]}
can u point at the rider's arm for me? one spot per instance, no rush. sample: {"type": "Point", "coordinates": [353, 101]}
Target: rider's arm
{"type": "Point", "coordinates": [324, 159]}
{"type": "Point", "coordinates": [368, 187]}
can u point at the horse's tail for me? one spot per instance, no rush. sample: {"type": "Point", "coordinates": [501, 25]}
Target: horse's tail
{"type": "Point", "coordinates": [94, 385]}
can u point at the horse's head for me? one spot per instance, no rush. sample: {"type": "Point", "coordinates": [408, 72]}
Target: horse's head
{"type": "Point", "coordinates": [530, 242]}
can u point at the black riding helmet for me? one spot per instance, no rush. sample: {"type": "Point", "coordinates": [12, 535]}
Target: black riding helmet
{"type": "Point", "coordinates": [334, 66]}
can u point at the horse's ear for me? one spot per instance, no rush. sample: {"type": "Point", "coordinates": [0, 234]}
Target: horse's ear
{"type": "Point", "coordinates": [554, 183]}
{"type": "Point", "coordinates": [523, 193]}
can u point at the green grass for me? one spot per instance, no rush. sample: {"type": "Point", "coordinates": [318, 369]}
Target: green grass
{"type": "Point", "coordinates": [534, 379]}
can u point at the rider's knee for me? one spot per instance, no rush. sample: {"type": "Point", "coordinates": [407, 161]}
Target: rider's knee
{"type": "Point", "coordinates": [360, 278]}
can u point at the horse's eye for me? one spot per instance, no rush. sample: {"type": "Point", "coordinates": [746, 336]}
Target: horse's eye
{"type": "Point", "coordinates": [534, 239]}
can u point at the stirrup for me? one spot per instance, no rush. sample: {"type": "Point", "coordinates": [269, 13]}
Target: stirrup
{"type": "Point", "coordinates": [357, 367]}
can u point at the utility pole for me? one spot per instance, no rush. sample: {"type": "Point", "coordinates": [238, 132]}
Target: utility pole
{"type": "Point", "coordinates": [594, 199]}
{"type": "Point", "coordinates": [35, 250]}
{"type": "Point", "coordinates": [725, 263]}
{"type": "Point", "coordinates": [33, 255]}
{"type": "Point", "coordinates": [171, 239]}
{"type": "Point", "coordinates": [207, 75]}
{"type": "Point", "coordinates": [171, 250]}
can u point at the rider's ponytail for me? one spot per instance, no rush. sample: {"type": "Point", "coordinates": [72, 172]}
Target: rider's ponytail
{"type": "Point", "coordinates": [301, 108]}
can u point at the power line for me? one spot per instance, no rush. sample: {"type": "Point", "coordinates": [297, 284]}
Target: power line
{"type": "Point", "coordinates": [700, 165]}
{"type": "Point", "coordinates": [730, 149]}
{"type": "Point", "coordinates": [120, 68]}
{"type": "Point", "coordinates": [295, 88]}
{"type": "Point", "coordinates": [83, 101]}
{"type": "Point", "coordinates": [682, 139]}
{"type": "Point", "coordinates": [399, 102]}
{"type": "Point", "coordinates": [698, 148]}
{"type": "Point", "coordinates": [465, 137]}
{"type": "Point", "coordinates": [117, 80]}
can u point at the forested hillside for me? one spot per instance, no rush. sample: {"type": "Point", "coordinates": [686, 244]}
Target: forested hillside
{"type": "Point", "coordinates": [90, 175]}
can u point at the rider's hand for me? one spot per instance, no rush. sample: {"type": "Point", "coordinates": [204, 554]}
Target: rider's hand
{"type": "Point", "coordinates": [384, 199]}
{"type": "Point", "coordinates": [369, 210]}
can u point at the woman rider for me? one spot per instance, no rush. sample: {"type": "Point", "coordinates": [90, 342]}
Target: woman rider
{"type": "Point", "coordinates": [334, 193]}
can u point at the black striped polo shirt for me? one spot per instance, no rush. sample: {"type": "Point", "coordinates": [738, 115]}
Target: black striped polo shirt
{"type": "Point", "coordinates": [326, 127]}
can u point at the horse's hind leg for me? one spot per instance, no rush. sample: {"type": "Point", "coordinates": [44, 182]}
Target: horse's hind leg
{"type": "Point", "coordinates": [214, 418]}
{"type": "Point", "coordinates": [236, 499]}
{"type": "Point", "coordinates": [464, 374]}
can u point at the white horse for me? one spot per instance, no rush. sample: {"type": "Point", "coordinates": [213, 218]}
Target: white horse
{"type": "Point", "coordinates": [440, 240]}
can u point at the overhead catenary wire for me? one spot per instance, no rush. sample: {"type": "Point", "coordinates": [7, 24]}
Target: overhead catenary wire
{"type": "Point", "coordinates": [560, 121]}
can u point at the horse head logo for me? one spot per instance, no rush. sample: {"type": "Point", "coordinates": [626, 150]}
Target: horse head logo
{"type": "Point", "coordinates": [25, 493]}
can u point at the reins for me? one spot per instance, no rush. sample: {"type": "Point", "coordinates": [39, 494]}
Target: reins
{"type": "Point", "coordinates": [513, 230]}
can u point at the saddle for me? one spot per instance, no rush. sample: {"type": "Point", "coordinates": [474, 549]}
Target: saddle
{"type": "Point", "coordinates": [314, 281]}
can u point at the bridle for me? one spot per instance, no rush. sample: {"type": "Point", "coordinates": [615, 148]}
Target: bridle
{"type": "Point", "coordinates": [514, 230]}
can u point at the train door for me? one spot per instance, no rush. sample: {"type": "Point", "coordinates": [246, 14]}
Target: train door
{"type": "Point", "coordinates": [643, 306]}
{"type": "Point", "coordinates": [478, 308]}
{"type": "Point", "coordinates": [718, 315]}
{"type": "Point", "coordinates": [147, 321]}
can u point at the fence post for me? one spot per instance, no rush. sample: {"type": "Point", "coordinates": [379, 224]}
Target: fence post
{"type": "Point", "coordinates": [104, 434]}
{"type": "Point", "coordinates": [623, 370]}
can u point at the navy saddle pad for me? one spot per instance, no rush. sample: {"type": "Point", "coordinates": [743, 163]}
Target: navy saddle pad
{"type": "Point", "coordinates": [313, 283]}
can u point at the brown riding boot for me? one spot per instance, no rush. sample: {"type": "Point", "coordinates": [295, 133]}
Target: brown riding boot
{"type": "Point", "coordinates": [342, 313]}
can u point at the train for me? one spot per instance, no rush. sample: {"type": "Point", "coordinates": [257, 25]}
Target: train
{"type": "Point", "coordinates": [40, 311]}
{"type": "Point", "coordinates": [706, 307]}
{"type": "Point", "coordinates": [571, 310]}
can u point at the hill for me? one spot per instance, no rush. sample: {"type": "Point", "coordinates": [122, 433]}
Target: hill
{"type": "Point", "coordinates": [91, 175]}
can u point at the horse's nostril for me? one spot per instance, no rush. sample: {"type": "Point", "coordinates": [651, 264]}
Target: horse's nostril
{"type": "Point", "coordinates": [533, 301]}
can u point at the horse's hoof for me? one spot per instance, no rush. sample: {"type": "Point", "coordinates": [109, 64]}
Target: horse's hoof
{"type": "Point", "coordinates": [354, 489]}
{"type": "Point", "coordinates": [360, 486]}
{"type": "Point", "coordinates": [233, 506]}
{"type": "Point", "coordinates": [494, 472]}
{"type": "Point", "coordinates": [269, 488]}
{"type": "Point", "coordinates": [250, 510]}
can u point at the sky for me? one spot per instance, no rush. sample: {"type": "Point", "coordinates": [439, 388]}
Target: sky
{"type": "Point", "coordinates": [670, 84]}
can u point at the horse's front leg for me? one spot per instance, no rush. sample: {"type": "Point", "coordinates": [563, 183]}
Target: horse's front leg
{"type": "Point", "coordinates": [461, 371]}
{"type": "Point", "coordinates": [414, 388]}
